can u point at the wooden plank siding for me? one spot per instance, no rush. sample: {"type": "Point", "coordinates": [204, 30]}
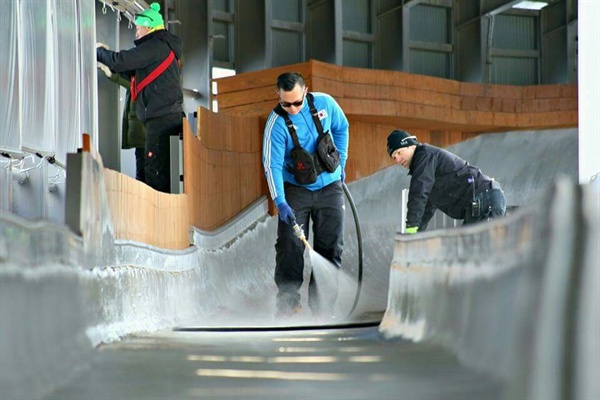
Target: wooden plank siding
{"type": "Point", "coordinates": [223, 172]}
{"type": "Point", "coordinates": [410, 101]}
{"type": "Point", "coordinates": [142, 214]}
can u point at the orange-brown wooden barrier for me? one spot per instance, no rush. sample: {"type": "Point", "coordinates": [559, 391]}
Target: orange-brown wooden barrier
{"type": "Point", "coordinates": [142, 214]}
{"type": "Point", "coordinates": [222, 167]}
{"type": "Point", "coordinates": [410, 101]}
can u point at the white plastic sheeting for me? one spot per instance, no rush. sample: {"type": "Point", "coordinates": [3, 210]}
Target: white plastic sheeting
{"type": "Point", "coordinates": [37, 75]}
{"type": "Point", "coordinates": [89, 84]}
{"type": "Point", "coordinates": [68, 85]}
{"type": "Point", "coordinates": [48, 72]}
{"type": "Point", "coordinates": [10, 128]}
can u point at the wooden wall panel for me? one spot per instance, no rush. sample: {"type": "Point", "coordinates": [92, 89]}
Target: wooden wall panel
{"type": "Point", "coordinates": [222, 167]}
{"type": "Point", "coordinates": [141, 214]}
{"type": "Point", "coordinates": [192, 156]}
{"type": "Point", "coordinates": [412, 101]}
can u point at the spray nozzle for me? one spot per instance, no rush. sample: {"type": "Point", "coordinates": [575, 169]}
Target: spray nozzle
{"type": "Point", "coordinates": [299, 233]}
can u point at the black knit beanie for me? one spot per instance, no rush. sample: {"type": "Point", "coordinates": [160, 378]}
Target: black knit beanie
{"type": "Point", "coordinates": [398, 139]}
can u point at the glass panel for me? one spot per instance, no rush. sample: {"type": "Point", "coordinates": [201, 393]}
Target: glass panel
{"type": "Point", "coordinates": [287, 10]}
{"type": "Point", "coordinates": [357, 54]}
{"type": "Point", "coordinates": [514, 32]}
{"type": "Point", "coordinates": [430, 63]}
{"type": "Point", "coordinates": [356, 15]}
{"type": "Point", "coordinates": [429, 24]}
{"type": "Point", "coordinates": [503, 71]}
{"type": "Point", "coordinates": [221, 45]}
{"type": "Point", "coordinates": [221, 5]}
{"type": "Point", "coordinates": [287, 48]}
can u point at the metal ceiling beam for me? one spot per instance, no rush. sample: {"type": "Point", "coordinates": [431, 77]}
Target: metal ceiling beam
{"type": "Point", "coordinates": [129, 8]}
{"type": "Point", "coordinates": [501, 8]}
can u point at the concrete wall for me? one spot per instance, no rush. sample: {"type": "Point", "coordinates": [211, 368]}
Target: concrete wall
{"type": "Point", "coordinates": [510, 297]}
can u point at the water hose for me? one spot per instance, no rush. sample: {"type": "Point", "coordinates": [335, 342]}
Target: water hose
{"type": "Point", "coordinates": [360, 250]}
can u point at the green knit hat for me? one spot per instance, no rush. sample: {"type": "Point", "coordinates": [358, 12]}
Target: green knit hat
{"type": "Point", "coordinates": [150, 17]}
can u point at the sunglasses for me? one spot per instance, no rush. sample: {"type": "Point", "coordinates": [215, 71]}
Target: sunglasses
{"type": "Point", "coordinates": [298, 103]}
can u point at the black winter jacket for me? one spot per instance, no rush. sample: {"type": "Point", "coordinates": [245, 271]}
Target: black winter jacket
{"type": "Point", "coordinates": [164, 95]}
{"type": "Point", "coordinates": [440, 179]}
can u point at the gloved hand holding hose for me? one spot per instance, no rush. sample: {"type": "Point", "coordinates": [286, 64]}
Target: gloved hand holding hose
{"type": "Point", "coordinates": [286, 214]}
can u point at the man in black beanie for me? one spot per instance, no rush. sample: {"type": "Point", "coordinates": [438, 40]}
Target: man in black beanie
{"type": "Point", "coordinates": [442, 180]}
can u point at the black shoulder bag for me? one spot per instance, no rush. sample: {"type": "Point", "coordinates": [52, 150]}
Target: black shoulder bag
{"type": "Point", "coordinates": [326, 150]}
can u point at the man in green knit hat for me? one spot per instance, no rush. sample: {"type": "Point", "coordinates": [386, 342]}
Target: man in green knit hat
{"type": "Point", "coordinates": [153, 69]}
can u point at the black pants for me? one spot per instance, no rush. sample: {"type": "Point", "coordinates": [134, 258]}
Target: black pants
{"type": "Point", "coordinates": [492, 205]}
{"type": "Point", "coordinates": [139, 164]}
{"type": "Point", "coordinates": [325, 208]}
{"type": "Point", "coordinates": [157, 157]}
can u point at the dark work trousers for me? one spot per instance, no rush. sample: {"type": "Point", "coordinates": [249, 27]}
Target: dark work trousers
{"type": "Point", "coordinates": [157, 157]}
{"type": "Point", "coordinates": [492, 205]}
{"type": "Point", "coordinates": [325, 208]}
{"type": "Point", "coordinates": [139, 164]}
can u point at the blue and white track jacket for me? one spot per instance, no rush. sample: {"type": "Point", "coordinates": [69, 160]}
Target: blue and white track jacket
{"type": "Point", "coordinates": [278, 143]}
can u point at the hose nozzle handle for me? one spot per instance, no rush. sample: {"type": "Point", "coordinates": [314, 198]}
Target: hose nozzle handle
{"type": "Point", "coordinates": [299, 233]}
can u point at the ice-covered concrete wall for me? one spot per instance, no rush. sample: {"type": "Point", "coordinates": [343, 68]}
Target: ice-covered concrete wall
{"type": "Point", "coordinates": [53, 312]}
{"type": "Point", "coordinates": [511, 297]}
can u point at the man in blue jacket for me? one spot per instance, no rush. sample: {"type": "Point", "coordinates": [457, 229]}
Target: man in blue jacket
{"type": "Point", "coordinates": [442, 180]}
{"type": "Point", "coordinates": [304, 155]}
{"type": "Point", "coordinates": [153, 69]}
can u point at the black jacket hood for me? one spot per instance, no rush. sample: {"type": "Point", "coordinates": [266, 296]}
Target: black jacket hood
{"type": "Point", "coordinates": [174, 42]}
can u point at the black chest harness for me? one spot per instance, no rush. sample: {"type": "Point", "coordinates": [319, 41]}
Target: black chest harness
{"type": "Point", "coordinates": [306, 166]}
